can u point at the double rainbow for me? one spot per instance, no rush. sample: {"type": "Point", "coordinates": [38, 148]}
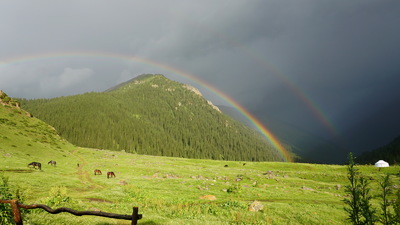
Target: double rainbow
{"type": "Point", "coordinates": [107, 55]}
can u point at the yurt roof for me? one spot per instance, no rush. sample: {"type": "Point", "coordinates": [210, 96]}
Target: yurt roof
{"type": "Point", "coordinates": [381, 163]}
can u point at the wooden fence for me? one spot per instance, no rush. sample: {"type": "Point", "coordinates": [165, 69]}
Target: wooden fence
{"type": "Point", "coordinates": [15, 205]}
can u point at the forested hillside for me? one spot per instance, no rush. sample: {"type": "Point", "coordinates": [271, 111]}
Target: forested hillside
{"type": "Point", "coordinates": [390, 153]}
{"type": "Point", "coordinates": [152, 115]}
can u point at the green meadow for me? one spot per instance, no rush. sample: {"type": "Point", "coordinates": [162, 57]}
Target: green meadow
{"type": "Point", "coordinates": [167, 190]}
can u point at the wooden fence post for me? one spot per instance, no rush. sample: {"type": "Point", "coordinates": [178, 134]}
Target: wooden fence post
{"type": "Point", "coordinates": [135, 215]}
{"type": "Point", "coordinates": [16, 212]}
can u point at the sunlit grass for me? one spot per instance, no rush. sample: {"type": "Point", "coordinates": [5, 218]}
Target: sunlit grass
{"type": "Point", "coordinates": [167, 190]}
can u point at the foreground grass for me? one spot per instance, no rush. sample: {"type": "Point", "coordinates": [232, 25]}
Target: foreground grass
{"type": "Point", "coordinates": [168, 190]}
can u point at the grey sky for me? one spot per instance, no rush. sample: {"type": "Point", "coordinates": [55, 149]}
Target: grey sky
{"type": "Point", "coordinates": [344, 56]}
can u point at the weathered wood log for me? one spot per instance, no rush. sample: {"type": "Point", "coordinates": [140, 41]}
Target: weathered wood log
{"type": "Point", "coordinates": [17, 215]}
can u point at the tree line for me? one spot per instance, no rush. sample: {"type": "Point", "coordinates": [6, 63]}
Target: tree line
{"type": "Point", "coordinates": [389, 153]}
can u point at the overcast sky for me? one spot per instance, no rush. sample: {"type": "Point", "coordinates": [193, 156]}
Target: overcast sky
{"type": "Point", "coordinates": [316, 64]}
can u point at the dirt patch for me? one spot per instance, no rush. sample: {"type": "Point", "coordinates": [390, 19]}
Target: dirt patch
{"type": "Point", "coordinates": [208, 197]}
{"type": "Point", "coordinates": [99, 200]}
{"type": "Point", "coordinates": [18, 171]}
{"type": "Point", "coordinates": [309, 201]}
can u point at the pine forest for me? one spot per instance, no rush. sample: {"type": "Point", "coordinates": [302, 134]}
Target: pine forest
{"type": "Point", "coordinates": [152, 115]}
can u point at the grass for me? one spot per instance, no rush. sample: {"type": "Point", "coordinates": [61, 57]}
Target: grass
{"type": "Point", "coordinates": [167, 190]}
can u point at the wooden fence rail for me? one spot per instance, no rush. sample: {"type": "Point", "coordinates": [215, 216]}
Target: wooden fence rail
{"type": "Point", "coordinates": [15, 205]}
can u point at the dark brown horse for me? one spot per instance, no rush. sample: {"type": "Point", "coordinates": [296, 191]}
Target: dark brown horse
{"type": "Point", "coordinates": [97, 172]}
{"type": "Point", "coordinates": [110, 174]}
{"type": "Point", "coordinates": [35, 165]}
{"type": "Point", "coordinates": [52, 162]}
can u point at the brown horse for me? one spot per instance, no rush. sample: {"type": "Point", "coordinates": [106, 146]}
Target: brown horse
{"type": "Point", "coordinates": [52, 162]}
{"type": "Point", "coordinates": [110, 174]}
{"type": "Point", "coordinates": [35, 165]}
{"type": "Point", "coordinates": [97, 172]}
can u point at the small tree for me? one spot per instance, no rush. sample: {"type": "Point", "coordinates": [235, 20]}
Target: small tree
{"type": "Point", "coordinates": [360, 209]}
{"type": "Point", "coordinates": [354, 209]}
{"type": "Point", "coordinates": [396, 207]}
{"type": "Point", "coordinates": [367, 211]}
{"type": "Point", "coordinates": [387, 217]}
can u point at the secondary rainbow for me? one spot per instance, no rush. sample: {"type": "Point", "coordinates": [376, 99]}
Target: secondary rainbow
{"type": "Point", "coordinates": [264, 131]}
{"type": "Point", "coordinates": [295, 89]}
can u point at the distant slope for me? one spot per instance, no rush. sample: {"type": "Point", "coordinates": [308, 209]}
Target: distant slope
{"type": "Point", "coordinates": [23, 136]}
{"type": "Point", "coordinates": [380, 127]}
{"type": "Point", "coordinates": [307, 147]}
{"type": "Point", "coordinates": [152, 115]}
{"type": "Point", "coordinates": [390, 153]}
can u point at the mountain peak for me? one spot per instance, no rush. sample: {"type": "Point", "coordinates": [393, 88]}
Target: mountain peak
{"type": "Point", "coordinates": [136, 80]}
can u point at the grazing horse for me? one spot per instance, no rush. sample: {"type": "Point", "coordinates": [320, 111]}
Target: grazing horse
{"type": "Point", "coordinates": [110, 174]}
{"type": "Point", "coordinates": [52, 162]}
{"type": "Point", "coordinates": [35, 165]}
{"type": "Point", "coordinates": [97, 172]}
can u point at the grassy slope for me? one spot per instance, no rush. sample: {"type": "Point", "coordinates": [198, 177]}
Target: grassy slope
{"type": "Point", "coordinates": [165, 189]}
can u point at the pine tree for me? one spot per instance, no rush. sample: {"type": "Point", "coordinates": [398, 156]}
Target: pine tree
{"type": "Point", "coordinates": [387, 217]}
{"type": "Point", "coordinates": [360, 210]}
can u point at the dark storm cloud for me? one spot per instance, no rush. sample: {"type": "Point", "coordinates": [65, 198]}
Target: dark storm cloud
{"type": "Point", "coordinates": [343, 55]}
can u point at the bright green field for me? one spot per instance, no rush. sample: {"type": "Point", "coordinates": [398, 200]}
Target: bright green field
{"type": "Point", "coordinates": [166, 190]}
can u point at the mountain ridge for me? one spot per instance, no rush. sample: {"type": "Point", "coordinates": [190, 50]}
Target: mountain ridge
{"type": "Point", "coordinates": [389, 152]}
{"type": "Point", "coordinates": [153, 115]}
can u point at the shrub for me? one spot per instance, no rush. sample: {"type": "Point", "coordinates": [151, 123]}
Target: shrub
{"type": "Point", "coordinates": [58, 197]}
{"type": "Point", "coordinates": [234, 188]}
{"type": "Point", "coordinates": [7, 193]}
{"type": "Point", "coordinates": [6, 216]}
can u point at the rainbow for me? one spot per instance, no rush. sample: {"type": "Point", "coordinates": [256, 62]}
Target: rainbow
{"type": "Point", "coordinates": [311, 105]}
{"type": "Point", "coordinates": [252, 119]}
{"type": "Point", "coordinates": [299, 93]}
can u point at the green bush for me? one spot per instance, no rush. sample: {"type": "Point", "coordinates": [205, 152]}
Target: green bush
{"type": "Point", "coordinates": [235, 188]}
{"type": "Point", "coordinates": [6, 216]}
{"type": "Point", "coordinates": [58, 197]}
{"type": "Point", "coordinates": [8, 193]}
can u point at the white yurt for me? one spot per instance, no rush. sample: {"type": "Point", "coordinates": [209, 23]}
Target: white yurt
{"type": "Point", "coordinates": [381, 163]}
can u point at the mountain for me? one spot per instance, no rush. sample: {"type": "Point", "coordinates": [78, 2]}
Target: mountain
{"type": "Point", "coordinates": [308, 147]}
{"type": "Point", "coordinates": [153, 115]}
{"type": "Point", "coordinates": [390, 153]}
